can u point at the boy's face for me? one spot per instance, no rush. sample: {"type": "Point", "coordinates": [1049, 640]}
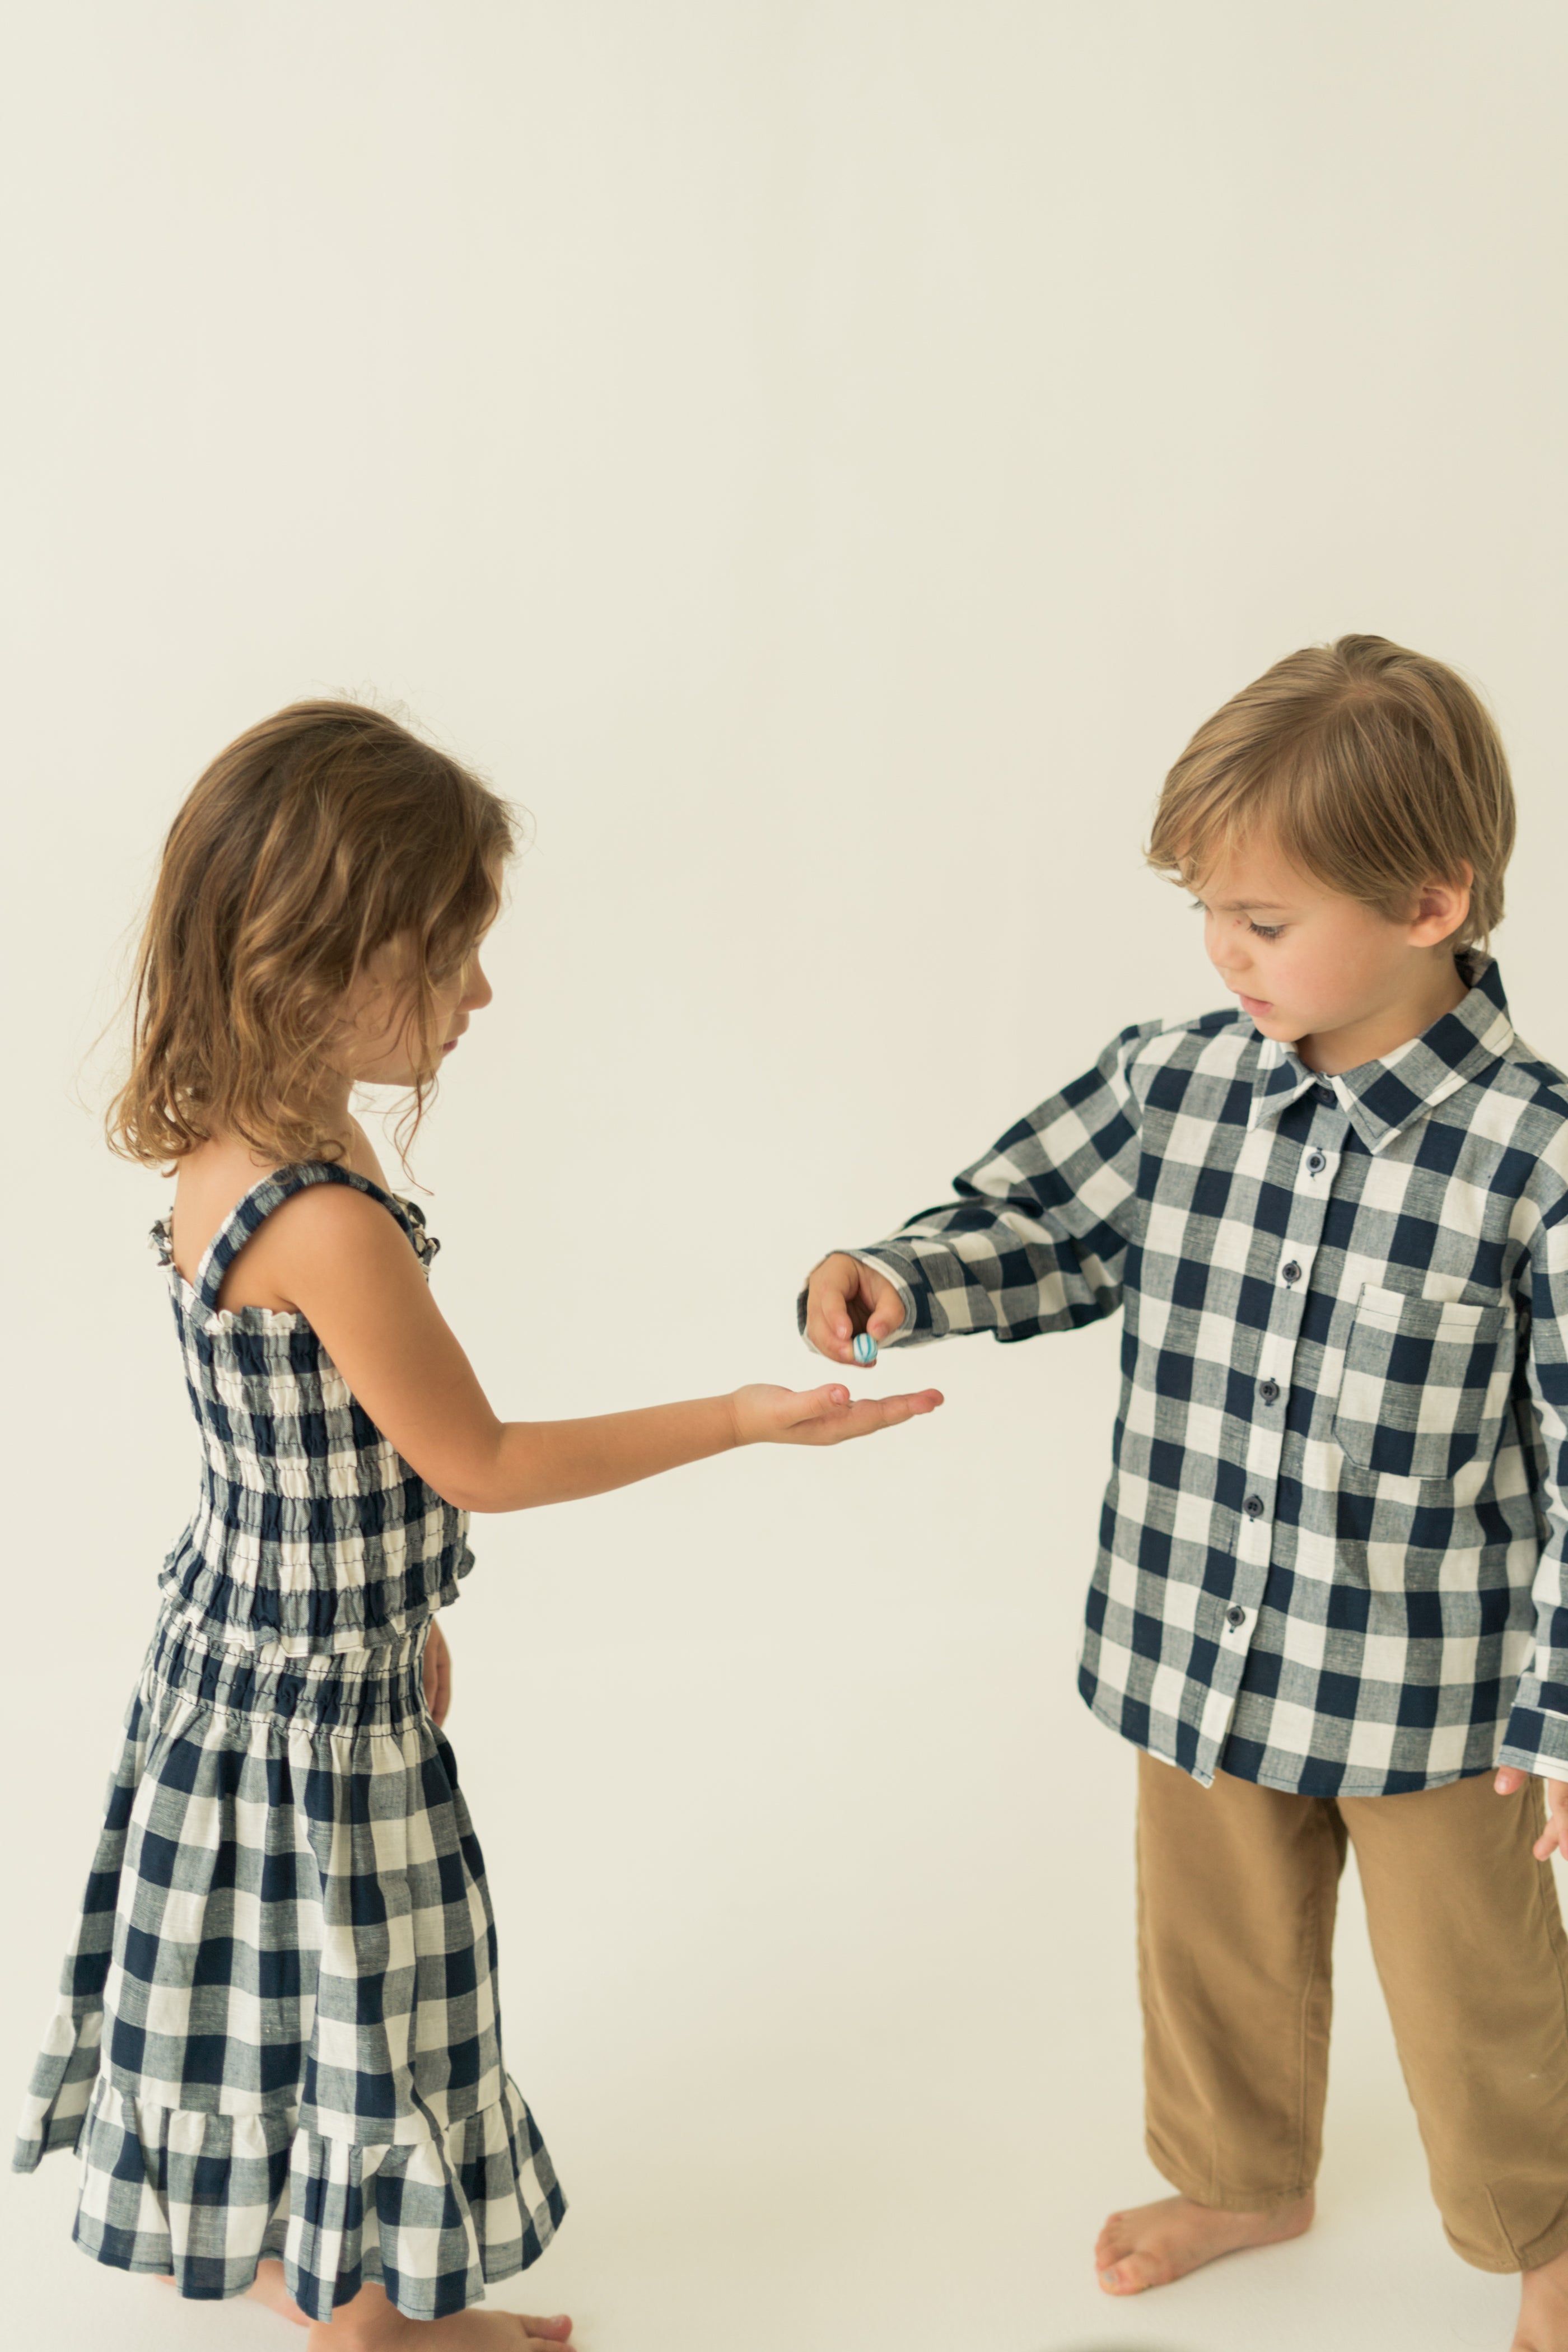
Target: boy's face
{"type": "Point", "coordinates": [1307, 962]}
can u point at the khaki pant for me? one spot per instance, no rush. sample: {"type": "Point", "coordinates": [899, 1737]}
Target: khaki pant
{"type": "Point", "coordinates": [1237, 1890]}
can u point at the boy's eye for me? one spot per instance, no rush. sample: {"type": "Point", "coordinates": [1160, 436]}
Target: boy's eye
{"type": "Point", "coordinates": [1259, 930]}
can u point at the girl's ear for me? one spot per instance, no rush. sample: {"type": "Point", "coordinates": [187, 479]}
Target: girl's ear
{"type": "Point", "coordinates": [1441, 907]}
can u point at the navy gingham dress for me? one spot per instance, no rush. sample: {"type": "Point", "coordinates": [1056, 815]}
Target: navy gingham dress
{"type": "Point", "coordinates": [279, 2032]}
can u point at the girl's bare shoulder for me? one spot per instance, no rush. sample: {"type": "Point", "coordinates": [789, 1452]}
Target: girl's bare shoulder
{"type": "Point", "coordinates": [213, 1180]}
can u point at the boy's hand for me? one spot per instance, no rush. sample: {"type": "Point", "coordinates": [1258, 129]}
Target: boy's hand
{"type": "Point", "coordinates": [1555, 1838]}
{"type": "Point", "coordinates": [845, 1296]}
{"type": "Point", "coordinates": [768, 1416]}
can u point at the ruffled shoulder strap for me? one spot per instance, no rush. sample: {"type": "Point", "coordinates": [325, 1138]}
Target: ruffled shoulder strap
{"type": "Point", "coordinates": [258, 1203]}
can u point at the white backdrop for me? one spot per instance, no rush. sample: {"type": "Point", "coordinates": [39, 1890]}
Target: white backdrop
{"type": "Point", "coordinates": [821, 456]}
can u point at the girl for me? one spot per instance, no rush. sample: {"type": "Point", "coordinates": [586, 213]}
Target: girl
{"type": "Point", "coordinates": [279, 2046]}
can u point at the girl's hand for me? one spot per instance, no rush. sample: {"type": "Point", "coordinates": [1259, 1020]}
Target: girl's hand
{"type": "Point", "coordinates": [843, 1295]}
{"type": "Point", "coordinates": [769, 1416]}
{"type": "Point", "coordinates": [437, 1675]}
{"type": "Point", "coordinates": [1555, 1838]}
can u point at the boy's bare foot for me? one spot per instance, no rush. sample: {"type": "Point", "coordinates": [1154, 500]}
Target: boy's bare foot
{"type": "Point", "coordinates": [1543, 2308]}
{"type": "Point", "coordinates": [1150, 2245]}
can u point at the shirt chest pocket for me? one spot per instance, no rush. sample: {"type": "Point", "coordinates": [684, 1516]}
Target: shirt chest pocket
{"type": "Point", "coordinates": [1425, 1384]}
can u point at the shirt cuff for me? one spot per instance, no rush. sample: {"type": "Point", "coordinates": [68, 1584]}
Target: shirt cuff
{"type": "Point", "coordinates": [884, 1265]}
{"type": "Point", "coordinates": [1537, 1737]}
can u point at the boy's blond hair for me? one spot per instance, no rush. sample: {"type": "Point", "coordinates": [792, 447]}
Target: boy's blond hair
{"type": "Point", "coordinates": [1375, 769]}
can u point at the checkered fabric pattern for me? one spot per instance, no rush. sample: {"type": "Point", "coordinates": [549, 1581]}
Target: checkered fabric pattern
{"type": "Point", "coordinates": [311, 1528]}
{"type": "Point", "coordinates": [1332, 1545]}
{"type": "Point", "coordinates": [277, 2032]}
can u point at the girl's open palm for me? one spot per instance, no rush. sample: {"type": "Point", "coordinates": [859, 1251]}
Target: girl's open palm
{"type": "Point", "coordinates": [345, 1266]}
{"type": "Point", "coordinates": [824, 1416]}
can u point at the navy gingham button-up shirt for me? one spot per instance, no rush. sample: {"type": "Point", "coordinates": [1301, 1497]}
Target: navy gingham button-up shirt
{"type": "Point", "coordinates": [1333, 1548]}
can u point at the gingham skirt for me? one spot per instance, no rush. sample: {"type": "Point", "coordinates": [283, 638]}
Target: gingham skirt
{"type": "Point", "coordinates": [277, 2032]}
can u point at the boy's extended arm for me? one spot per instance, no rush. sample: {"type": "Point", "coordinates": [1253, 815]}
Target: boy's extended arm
{"type": "Point", "coordinates": [1036, 1241]}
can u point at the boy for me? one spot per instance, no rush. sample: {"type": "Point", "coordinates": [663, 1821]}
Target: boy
{"type": "Point", "coordinates": [1331, 1595]}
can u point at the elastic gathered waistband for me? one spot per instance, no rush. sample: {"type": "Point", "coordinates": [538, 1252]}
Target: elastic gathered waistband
{"type": "Point", "coordinates": [357, 1690]}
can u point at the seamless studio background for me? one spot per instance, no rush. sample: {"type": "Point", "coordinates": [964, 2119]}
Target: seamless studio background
{"type": "Point", "coordinates": [821, 458]}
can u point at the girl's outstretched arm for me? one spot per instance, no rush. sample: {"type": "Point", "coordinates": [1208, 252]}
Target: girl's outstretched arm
{"type": "Point", "coordinates": [344, 1264]}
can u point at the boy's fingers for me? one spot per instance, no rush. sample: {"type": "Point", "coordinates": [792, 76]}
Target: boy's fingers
{"type": "Point", "coordinates": [884, 1308]}
{"type": "Point", "coordinates": [844, 1294]}
{"type": "Point", "coordinates": [1554, 1839]}
{"type": "Point", "coordinates": [829, 1325]}
{"type": "Point", "coordinates": [830, 1292]}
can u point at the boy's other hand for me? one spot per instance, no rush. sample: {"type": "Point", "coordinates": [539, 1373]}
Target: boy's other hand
{"type": "Point", "coordinates": [1555, 1838]}
{"type": "Point", "coordinates": [825, 1416]}
{"type": "Point", "coordinates": [845, 1296]}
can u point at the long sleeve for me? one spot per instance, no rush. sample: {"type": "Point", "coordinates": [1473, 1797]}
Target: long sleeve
{"type": "Point", "coordinates": [1537, 1737]}
{"type": "Point", "coordinates": [1036, 1239]}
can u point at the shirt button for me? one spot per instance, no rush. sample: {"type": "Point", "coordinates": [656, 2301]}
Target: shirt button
{"type": "Point", "coordinates": [1269, 1391]}
{"type": "Point", "coordinates": [1235, 1616]}
{"type": "Point", "coordinates": [1291, 1271]}
{"type": "Point", "coordinates": [1316, 1163]}
{"type": "Point", "coordinates": [1326, 1095]}
{"type": "Point", "coordinates": [1254, 1507]}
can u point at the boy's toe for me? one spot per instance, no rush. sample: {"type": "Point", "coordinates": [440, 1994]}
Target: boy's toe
{"type": "Point", "coordinates": [1112, 2244]}
{"type": "Point", "coordinates": [1132, 2275]}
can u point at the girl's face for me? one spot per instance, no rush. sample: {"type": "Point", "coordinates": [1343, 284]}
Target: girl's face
{"type": "Point", "coordinates": [378, 1043]}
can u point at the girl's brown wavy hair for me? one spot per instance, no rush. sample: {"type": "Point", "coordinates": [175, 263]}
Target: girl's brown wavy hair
{"type": "Point", "coordinates": [315, 838]}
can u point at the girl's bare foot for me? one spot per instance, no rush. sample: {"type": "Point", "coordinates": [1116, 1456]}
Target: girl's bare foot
{"type": "Point", "coordinates": [1150, 2245]}
{"type": "Point", "coordinates": [1543, 2308]}
{"type": "Point", "coordinates": [369, 2324]}
{"type": "Point", "coordinates": [269, 2289]}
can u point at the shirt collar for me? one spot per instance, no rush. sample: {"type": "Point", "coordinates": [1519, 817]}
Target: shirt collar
{"type": "Point", "coordinates": [1381, 1098]}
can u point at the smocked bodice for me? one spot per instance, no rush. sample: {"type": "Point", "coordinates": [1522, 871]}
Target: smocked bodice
{"type": "Point", "coordinates": [311, 1532]}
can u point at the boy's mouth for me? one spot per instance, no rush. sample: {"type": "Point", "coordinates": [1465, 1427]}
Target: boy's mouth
{"type": "Point", "coordinates": [1253, 1005]}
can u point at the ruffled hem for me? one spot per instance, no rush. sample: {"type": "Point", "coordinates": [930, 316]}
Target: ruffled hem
{"type": "Point", "coordinates": [205, 2197]}
{"type": "Point", "coordinates": [354, 1616]}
